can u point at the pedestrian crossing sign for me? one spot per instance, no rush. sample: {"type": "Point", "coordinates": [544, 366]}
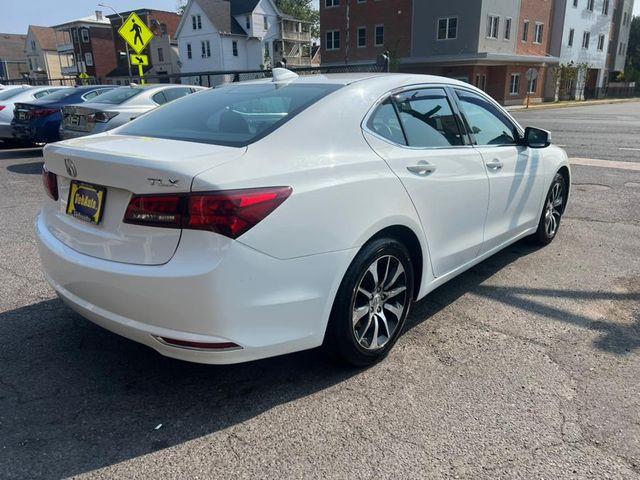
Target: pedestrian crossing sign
{"type": "Point", "coordinates": [136, 33]}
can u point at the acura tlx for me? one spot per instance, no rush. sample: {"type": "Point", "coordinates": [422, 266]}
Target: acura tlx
{"type": "Point", "coordinates": [282, 214]}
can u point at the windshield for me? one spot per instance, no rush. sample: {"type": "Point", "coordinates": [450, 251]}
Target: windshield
{"type": "Point", "coordinates": [12, 92]}
{"type": "Point", "coordinates": [60, 94]}
{"type": "Point", "coordinates": [233, 115]}
{"type": "Point", "coordinates": [119, 95]}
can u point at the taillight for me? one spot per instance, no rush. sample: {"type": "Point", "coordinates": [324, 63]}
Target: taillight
{"type": "Point", "coordinates": [2, 107]}
{"type": "Point", "coordinates": [50, 183]}
{"type": "Point", "coordinates": [43, 112]}
{"type": "Point", "coordinates": [230, 213]}
{"type": "Point", "coordinates": [100, 117]}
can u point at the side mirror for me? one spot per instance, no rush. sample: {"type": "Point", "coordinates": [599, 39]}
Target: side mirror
{"type": "Point", "coordinates": [536, 137]}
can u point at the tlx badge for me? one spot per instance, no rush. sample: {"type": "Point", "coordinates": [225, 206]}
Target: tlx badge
{"type": "Point", "coordinates": [161, 182]}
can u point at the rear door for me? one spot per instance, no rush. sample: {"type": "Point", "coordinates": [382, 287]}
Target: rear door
{"type": "Point", "coordinates": [514, 171]}
{"type": "Point", "coordinates": [418, 133]}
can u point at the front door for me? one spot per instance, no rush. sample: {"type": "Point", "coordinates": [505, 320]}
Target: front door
{"type": "Point", "coordinates": [417, 133]}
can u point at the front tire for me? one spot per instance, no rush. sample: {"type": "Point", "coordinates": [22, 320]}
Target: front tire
{"type": "Point", "coordinates": [552, 211]}
{"type": "Point", "coordinates": [372, 303]}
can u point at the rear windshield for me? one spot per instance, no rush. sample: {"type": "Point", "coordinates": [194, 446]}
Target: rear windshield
{"type": "Point", "coordinates": [233, 116]}
{"type": "Point", "coordinates": [12, 92]}
{"type": "Point", "coordinates": [118, 95]}
{"type": "Point", "coordinates": [60, 94]}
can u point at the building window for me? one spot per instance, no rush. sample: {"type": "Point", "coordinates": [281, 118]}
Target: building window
{"type": "Point", "coordinates": [85, 35]}
{"type": "Point", "coordinates": [481, 81]}
{"type": "Point", "coordinates": [514, 85]}
{"type": "Point", "coordinates": [160, 55]}
{"type": "Point", "coordinates": [586, 37]}
{"type": "Point", "coordinates": [493, 23]}
{"type": "Point", "coordinates": [247, 22]}
{"type": "Point", "coordinates": [532, 86]}
{"type": "Point", "coordinates": [331, 3]}
{"type": "Point", "coordinates": [625, 18]}
{"type": "Point", "coordinates": [590, 5]}
{"type": "Point", "coordinates": [266, 51]}
{"type": "Point", "coordinates": [538, 33]}
{"type": "Point", "coordinates": [234, 48]}
{"type": "Point", "coordinates": [575, 3]}
{"type": "Point", "coordinates": [196, 22]}
{"type": "Point", "coordinates": [362, 37]}
{"type": "Point", "coordinates": [601, 43]}
{"type": "Point", "coordinates": [620, 48]}
{"type": "Point", "coordinates": [605, 7]}
{"type": "Point", "coordinates": [332, 40]}
{"type": "Point", "coordinates": [189, 51]}
{"type": "Point", "coordinates": [265, 22]}
{"type": "Point", "coordinates": [525, 31]}
{"type": "Point", "coordinates": [206, 48]}
{"type": "Point", "coordinates": [163, 29]}
{"type": "Point", "coordinates": [74, 34]}
{"type": "Point", "coordinates": [571, 34]}
{"type": "Point", "coordinates": [379, 35]}
{"type": "Point", "coordinates": [33, 45]}
{"type": "Point", "coordinates": [88, 58]}
{"type": "Point", "coordinates": [507, 28]}
{"type": "Point", "coordinates": [448, 28]}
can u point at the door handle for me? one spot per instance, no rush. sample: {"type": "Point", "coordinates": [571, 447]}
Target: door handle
{"type": "Point", "coordinates": [495, 164]}
{"type": "Point", "coordinates": [423, 168]}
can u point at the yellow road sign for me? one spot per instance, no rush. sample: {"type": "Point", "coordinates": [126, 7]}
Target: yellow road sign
{"type": "Point", "coordinates": [136, 33]}
{"type": "Point", "coordinates": [142, 60]}
{"type": "Point", "coordinates": [83, 75]}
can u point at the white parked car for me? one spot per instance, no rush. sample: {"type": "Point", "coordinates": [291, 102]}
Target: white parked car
{"type": "Point", "coordinates": [18, 94]}
{"type": "Point", "coordinates": [117, 107]}
{"type": "Point", "coordinates": [273, 216]}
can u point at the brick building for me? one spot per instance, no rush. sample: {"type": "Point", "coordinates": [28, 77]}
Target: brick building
{"type": "Point", "coordinates": [357, 31]}
{"type": "Point", "coordinates": [162, 50]}
{"type": "Point", "coordinates": [86, 45]}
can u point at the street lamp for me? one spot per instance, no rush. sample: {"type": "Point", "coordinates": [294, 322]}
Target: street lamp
{"type": "Point", "coordinates": [125, 43]}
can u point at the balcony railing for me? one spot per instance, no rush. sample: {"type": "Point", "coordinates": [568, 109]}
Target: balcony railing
{"type": "Point", "coordinates": [298, 36]}
{"type": "Point", "coordinates": [65, 47]}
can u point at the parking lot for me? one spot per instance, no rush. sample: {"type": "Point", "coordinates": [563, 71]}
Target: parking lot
{"type": "Point", "coordinates": [526, 366]}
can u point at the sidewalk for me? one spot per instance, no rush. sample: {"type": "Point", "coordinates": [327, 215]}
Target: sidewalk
{"type": "Point", "coordinates": [572, 103]}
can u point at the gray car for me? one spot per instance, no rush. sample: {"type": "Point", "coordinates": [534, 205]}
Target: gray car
{"type": "Point", "coordinates": [117, 107]}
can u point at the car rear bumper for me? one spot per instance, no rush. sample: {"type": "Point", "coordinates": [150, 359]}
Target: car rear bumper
{"type": "Point", "coordinates": [213, 290]}
{"type": "Point", "coordinates": [45, 133]}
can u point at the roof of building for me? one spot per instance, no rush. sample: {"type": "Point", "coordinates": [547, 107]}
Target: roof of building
{"type": "Point", "coordinates": [12, 46]}
{"type": "Point", "coordinates": [238, 7]}
{"type": "Point", "coordinates": [90, 19]}
{"type": "Point", "coordinates": [46, 36]}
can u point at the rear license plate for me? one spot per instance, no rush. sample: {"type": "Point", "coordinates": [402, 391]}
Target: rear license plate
{"type": "Point", "coordinates": [86, 201]}
{"type": "Point", "coordinates": [22, 115]}
{"type": "Point", "coordinates": [74, 120]}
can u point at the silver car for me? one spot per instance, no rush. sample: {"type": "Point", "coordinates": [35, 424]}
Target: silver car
{"type": "Point", "coordinates": [12, 95]}
{"type": "Point", "coordinates": [118, 107]}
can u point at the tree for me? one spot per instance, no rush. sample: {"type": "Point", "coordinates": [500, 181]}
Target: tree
{"type": "Point", "coordinates": [632, 69]}
{"type": "Point", "coordinates": [303, 10]}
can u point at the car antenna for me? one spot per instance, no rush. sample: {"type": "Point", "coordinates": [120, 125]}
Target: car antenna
{"type": "Point", "coordinates": [283, 75]}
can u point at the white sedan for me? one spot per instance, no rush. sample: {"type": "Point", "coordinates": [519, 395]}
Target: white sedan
{"type": "Point", "coordinates": [279, 215]}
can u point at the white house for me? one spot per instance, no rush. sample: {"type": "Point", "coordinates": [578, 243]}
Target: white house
{"type": "Point", "coordinates": [224, 35]}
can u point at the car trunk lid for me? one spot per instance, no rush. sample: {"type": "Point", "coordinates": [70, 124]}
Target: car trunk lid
{"type": "Point", "coordinates": [116, 167]}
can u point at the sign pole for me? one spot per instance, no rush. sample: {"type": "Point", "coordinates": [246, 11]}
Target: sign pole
{"type": "Point", "coordinates": [141, 72]}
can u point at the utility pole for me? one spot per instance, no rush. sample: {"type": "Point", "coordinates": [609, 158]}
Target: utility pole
{"type": "Point", "coordinates": [125, 43]}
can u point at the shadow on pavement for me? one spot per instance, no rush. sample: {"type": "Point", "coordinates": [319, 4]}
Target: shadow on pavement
{"type": "Point", "coordinates": [75, 398]}
{"type": "Point", "coordinates": [18, 153]}
{"type": "Point", "coordinates": [33, 168]}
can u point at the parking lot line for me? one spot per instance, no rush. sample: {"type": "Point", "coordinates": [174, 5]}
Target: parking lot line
{"type": "Point", "coordinates": [592, 162]}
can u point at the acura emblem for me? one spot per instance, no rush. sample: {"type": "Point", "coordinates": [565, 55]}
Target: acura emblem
{"type": "Point", "coordinates": [71, 168]}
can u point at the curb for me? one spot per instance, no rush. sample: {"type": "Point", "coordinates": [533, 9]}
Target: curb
{"type": "Point", "coordinates": [581, 103]}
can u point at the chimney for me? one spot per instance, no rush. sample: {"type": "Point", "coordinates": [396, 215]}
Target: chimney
{"type": "Point", "coordinates": [99, 15]}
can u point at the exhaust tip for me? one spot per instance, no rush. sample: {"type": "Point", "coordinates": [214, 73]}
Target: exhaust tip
{"type": "Point", "coordinates": [203, 346]}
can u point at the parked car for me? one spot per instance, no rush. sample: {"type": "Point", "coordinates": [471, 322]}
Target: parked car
{"type": "Point", "coordinates": [117, 107]}
{"type": "Point", "coordinates": [9, 97]}
{"type": "Point", "coordinates": [39, 121]}
{"type": "Point", "coordinates": [273, 216]}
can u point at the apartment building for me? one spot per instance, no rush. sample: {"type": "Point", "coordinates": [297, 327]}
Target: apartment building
{"type": "Point", "coordinates": [358, 31]}
{"type": "Point", "coordinates": [581, 34]}
{"type": "Point", "coordinates": [162, 50]}
{"type": "Point", "coordinates": [42, 54]}
{"type": "Point", "coordinates": [86, 46]}
{"type": "Point", "coordinates": [13, 60]}
{"type": "Point", "coordinates": [619, 37]}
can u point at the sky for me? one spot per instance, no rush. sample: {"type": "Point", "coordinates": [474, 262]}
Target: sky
{"type": "Point", "coordinates": [18, 14]}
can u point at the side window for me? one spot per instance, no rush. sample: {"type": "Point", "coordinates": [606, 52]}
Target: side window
{"type": "Point", "coordinates": [171, 94]}
{"type": "Point", "coordinates": [487, 123]}
{"type": "Point", "coordinates": [159, 98]}
{"type": "Point", "coordinates": [428, 119]}
{"type": "Point", "coordinates": [385, 123]}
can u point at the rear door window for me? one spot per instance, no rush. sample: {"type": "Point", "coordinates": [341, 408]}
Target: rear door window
{"type": "Point", "coordinates": [428, 119]}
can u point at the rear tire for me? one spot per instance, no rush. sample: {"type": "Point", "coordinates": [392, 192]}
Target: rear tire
{"type": "Point", "coordinates": [372, 304]}
{"type": "Point", "coordinates": [552, 211]}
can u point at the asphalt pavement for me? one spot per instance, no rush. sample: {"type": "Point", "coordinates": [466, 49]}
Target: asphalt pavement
{"type": "Point", "coordinates": [526, 366]}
